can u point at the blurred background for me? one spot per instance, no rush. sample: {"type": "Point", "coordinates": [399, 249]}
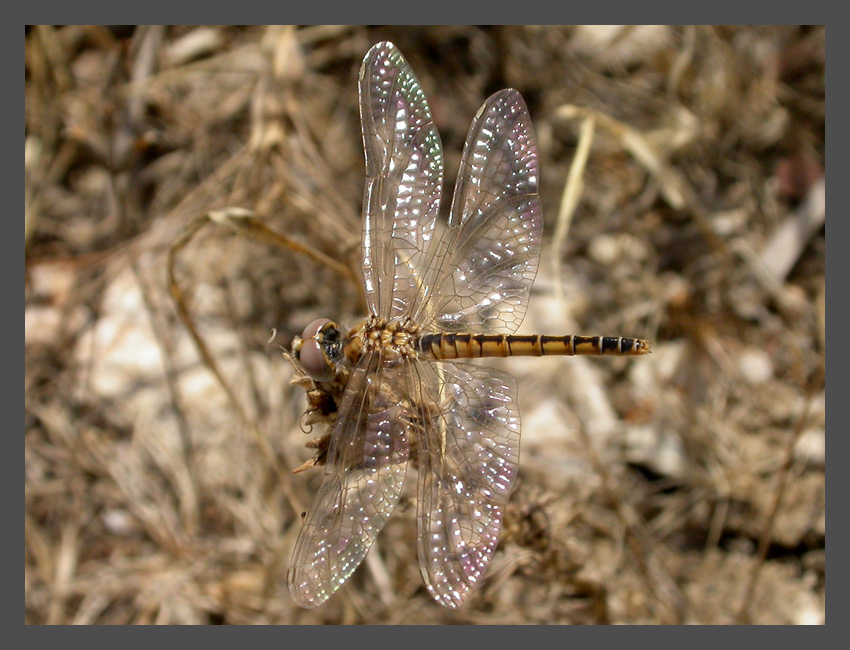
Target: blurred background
{"type": "Point", "coordinates": [189, 189]}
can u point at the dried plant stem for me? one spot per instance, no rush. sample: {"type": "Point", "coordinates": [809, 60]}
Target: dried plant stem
{"type": "Point", "coordinates": [573, 188]}
{"type": "Point", "coordinates": [209, 360]}
{"type": "Point", "coordinates": [785, 474]}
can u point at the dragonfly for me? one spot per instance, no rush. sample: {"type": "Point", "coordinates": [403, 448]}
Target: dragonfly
{"type": "Point", "coordinates": [391, 385]}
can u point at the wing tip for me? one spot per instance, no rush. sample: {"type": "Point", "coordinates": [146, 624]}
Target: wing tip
{"type": "Point", "coordinates": [453, 599]}
{"type": "Point", "coordinates": [510, 94]}
{"type": "Point", "coordinates": [305, 599]}
{"type": "Point", "coordinates": [379, 48]}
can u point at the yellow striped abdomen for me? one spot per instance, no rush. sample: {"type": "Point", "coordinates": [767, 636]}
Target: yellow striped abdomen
{"type": "Point", "coordinates": [473, 346]}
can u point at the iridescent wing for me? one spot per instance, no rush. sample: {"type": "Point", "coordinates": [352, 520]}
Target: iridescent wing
{"type": "Point", "coordinates": [364, 475]}
{"type": "Point", "coordinates": [404, 177]}
{"type": "Point", "coordinates": [489, 254]}
{"type": "Point", "coordinates": [467, 437]}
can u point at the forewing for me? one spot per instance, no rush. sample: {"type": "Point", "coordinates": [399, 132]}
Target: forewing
{"type": "Point", "coordinates": [489, 254]}
{"type": "Point", "coordinates": [404, 176]}
{"type": "Point", "coordinates": [364, 475]}
{"type": "Point", "coordinates": [468, 450]}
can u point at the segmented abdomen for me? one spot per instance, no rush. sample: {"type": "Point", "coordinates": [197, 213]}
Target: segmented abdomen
{"type": "Point", "coordinates": [473, 346]}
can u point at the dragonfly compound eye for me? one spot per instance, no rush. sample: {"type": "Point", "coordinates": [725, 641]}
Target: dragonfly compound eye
{"type": "Point", "coordinates": [319, 349]}
{"type": "Point", "coordinates": [313, 328]}
{"type": "Point", "coordinates": [315, 362]}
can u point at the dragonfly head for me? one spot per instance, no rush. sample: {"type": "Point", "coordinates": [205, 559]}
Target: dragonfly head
{"type": "Point", "coordinates": [319, 349]}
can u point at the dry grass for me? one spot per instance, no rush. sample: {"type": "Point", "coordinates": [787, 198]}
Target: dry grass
{"type": "Point", "coordinates": [684, 487]}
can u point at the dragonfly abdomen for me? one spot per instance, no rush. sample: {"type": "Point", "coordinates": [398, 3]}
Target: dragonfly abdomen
{"type": "Point", "coordinates": [474, 346]}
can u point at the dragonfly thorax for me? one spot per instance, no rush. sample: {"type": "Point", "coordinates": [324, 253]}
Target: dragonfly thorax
{"type": "Point", "coordinates": [396, 339]}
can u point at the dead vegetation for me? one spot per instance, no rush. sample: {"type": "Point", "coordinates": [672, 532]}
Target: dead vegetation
{"type": "Point", "coordinates": [684, 487]}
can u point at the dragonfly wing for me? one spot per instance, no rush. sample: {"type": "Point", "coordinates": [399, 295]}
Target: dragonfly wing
{"type": "Point", "coordinates": [404, 177]}
{"type": "Point", "coordinates": [364, 475]}
{"type": "Point", "coordinates": [489, 254]}
{"type": "Point", "coordinates": [468, 450]}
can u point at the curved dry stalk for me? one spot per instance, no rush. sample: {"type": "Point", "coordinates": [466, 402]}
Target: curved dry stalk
{"type": "Point", "coordinates": [573, 188]}
{"type": "Point", "coordinates": [244, 222]}
{"type": "Point", "coordinates": [674, 186]}
{"type": "Point", "coordinates": [209, 360]}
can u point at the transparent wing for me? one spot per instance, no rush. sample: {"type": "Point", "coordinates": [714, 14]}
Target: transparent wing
{"type": "Point", "coordinates": [468, 449]}
{"type": "Point", "coordinates": [404, 177]}
{"type": "Point", "coordinates": [364, 476]}
{"type": "Point", "coordinates": [489, 254]}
